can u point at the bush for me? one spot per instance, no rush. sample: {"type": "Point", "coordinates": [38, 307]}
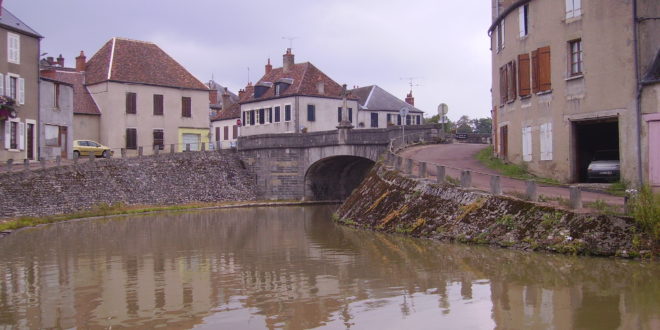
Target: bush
{"type": "Point", "coordinates": [644, 206]}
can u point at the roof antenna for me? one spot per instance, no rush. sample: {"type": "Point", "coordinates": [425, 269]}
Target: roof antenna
{"type": "Point", "coordinates": [411, 82]}
{"type": "Point", "coordinates": [291, 39]}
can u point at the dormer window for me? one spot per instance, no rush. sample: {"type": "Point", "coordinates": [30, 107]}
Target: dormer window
{"type": "Point", "coordinates": [277, 89]}
{"type": "Point", "coordinates": [261, 89]}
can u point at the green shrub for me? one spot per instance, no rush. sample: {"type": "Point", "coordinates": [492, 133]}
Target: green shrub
{"type": "Point", "coordinates": [645, 208]}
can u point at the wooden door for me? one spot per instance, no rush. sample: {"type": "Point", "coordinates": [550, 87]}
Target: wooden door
{"type": "Point", "coordinates": [30, 141]}
{"type": "Point", "coordinates": [504, 141]}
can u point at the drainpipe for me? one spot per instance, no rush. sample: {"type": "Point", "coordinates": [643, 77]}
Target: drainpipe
{"type": "Point", "coordinates": [638, 100]}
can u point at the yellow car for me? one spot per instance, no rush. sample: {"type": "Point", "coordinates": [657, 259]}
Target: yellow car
{"type": "Point", "coordinates": [87, 147]}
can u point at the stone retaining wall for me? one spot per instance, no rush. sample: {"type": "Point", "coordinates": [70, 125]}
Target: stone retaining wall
{"type": "Point", "coordinates": [391, 202]}
{"type": "Point", "coordinates": [153, 180]}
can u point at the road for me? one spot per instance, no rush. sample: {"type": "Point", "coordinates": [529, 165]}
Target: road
{"type": "Point", "coordinates": [460, 156]}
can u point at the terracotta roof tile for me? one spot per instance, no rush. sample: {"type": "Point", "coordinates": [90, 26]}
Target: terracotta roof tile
{"type": "Point", "coordinates": [138, 62]}
{"type": "Point", "coordinates": [234, 111]}
{"type": "Point", "coordinates": [305, 78]}
{"type": "Point", "coordinates": [83, 103]}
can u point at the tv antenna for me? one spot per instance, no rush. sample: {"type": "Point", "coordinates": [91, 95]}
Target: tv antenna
{"type": "Point", "coordinates": [291, 39]}
{"type": "Point", "coordinates": [411, 81]}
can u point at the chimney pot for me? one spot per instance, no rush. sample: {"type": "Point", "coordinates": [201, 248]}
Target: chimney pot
{"type": "Point", "coordinates": [241, 93]}
{"type": "Point", "coordinates": [60, 61]}
{"type": "Point", "coordinates": [81, 62]}
{"type": "Point", "coordinates": [213, 96]}
{"type": "Point", "coordinates": [269, 67]}
{"type": "Point", "coordinates": [226, 100]}
{"type": "Point", "coordinates": [410, 99]}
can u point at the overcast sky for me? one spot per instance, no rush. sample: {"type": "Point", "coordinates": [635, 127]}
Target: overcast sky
{"type": "Point", "coordinates": [442, 44]}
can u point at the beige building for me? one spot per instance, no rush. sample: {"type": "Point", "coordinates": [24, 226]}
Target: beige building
{"type": "Point", "coordinates": [19, 88]}
{"type": "Point", "coordinates": [295, 98]}
{"type": "Point", "coordinates": [571, 78]}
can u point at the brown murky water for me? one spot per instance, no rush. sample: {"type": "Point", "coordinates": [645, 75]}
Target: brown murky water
{"type": "Point", "coordinates": [293, 268]}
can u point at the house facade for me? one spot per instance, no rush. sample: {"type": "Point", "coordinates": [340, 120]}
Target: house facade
{"type": "Point", "coordinates": [19, 88]}
{"type": "Point", "coordinates": [146, 99]}
{"type": "Point", "coordinates": [379, 108]}
{"type": "Point", "coordinates": [225, 122]}
{"type": "Point", "coordinates": [567, 83]}
{"type": "Point", "coordinates": [295, 98]}
{"type": "Point", "coordinates": [55, 119]}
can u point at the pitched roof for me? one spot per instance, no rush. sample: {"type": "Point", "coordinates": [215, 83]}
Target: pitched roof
{"type": "Point", "coordinates": [375, 98]}
{"type": "Point", "coordinates": [141, 62]}
{"type": "Point", "coordinates": [304, 78]}
{"type": "Point", "coordinates": [9, 21]}
{"type": "Point", "coordinates": [233, 112]}
{"type": "Point", "coordinates": [213, 85]}
{"type": "Point", "coordinates": [83, 103]}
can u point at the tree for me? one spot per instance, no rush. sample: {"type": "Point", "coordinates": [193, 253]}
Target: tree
{"type": "Point", "coordinates": [449, 125]}
{"type": "Point", "coordinates": [464, 125]}
{"type": "Point", "coordinates": [483, 125]}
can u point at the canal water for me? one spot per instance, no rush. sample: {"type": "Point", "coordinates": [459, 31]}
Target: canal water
{"type": "Point", "coordinates": [293, 268]}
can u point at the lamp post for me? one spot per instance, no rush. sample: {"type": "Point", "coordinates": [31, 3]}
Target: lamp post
{"type": "Point", "coordinates": [442, 112]}
{"type": "Point", "coordinates": [403, 113]}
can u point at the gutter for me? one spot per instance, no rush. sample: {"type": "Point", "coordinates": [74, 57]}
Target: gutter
{"type": "Point", "coordinates": [638, 100]}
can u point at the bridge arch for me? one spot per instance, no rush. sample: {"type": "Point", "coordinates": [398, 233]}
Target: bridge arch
{"type": "Point", "coordinates": [335, 177]}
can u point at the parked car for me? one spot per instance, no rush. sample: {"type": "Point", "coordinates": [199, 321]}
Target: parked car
{"type": "Point", "coordinates": [87, 147]}
{"type": "Point", "coordinates": [604, 166]}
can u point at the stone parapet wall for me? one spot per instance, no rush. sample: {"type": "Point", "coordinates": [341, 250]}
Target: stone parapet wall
{"type": "Point", "coordinates": [154, 180]}
{"type": "Point", "coordinates": [391, 202]}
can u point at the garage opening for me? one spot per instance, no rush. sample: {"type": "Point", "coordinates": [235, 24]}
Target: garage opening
{"type": "Point", "coordinates": [334, 178]}
{"type": "Point", "coordinates": [596, 143]}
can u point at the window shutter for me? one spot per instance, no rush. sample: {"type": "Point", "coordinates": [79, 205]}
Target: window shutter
{"type": "Point", "coordinates": [8, 85]}
{"type": "Point", "coordinates": [234, 133]}
{"type": "Point", "coordinates": [527, 144]}
{"type": "Point", "coordinates": [270, 115]}
{"type": "Point", "coordinates": [535, 71]}
{"type": "Point", "coordinates": [511, 81]}
{"type": "Point", "coordinates": [277, 114]}
{"type": "Point", "coordinates": [217, 133]}
{"type": "Point", "coordinates": [503, 81]}
{"type": "Point", "coordinates": [339, 115]}
{"type": "Point", "coordinates": [158, 104]}
{"type": "Point", "coordinates": [21, 136]}
{"type": "Point", "coordinates": [577, 8]}
{"type": "Point", "coordinates": [226, 131]}
{"type": "Point", "coordinates": [350, 114]}
{"type": "Point", "coordinates": [523, 75]}
{"type": "Point", "coordinates": [544, 69]}
{"type": "Point", "coordinates": [2, 84]}
{"type": "Point", "coordinates": [244, 122]}
{"type": "Point", "coordinates": [7, 134]}
{"type": "Point", "coordinates": [21, 91]}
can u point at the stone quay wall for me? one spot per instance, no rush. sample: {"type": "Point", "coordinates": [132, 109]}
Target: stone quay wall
{"type": "Point", "coordinates": [390, 201]}
{"type": "Point", "coordinates": [166, 179]}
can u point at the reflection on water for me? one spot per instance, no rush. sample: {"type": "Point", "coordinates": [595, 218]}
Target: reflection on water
{"type": "Point", "coordinates": [291, 267]}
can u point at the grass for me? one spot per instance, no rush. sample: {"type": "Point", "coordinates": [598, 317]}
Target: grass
{"type": "Point", "coordinates": [104, 209]}
{"type": "Point", "coordinates": [645, 208]}
{"type": "Point", "coordinates": [485, 157]}
{"type": "Point", "coordinates": [602, 207]}
{"type": "Point", "coordinates": [618, 188]}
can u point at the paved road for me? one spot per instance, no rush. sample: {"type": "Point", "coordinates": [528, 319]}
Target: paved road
{"type": "Point", "coordinates": [460, 156]}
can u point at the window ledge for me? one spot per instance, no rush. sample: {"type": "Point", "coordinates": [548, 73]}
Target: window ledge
{"type": "Point", "coordinates": [569, 20]}
{"type": "Point", "coordinates": [525, 97]}
{"type": "Point", "coordinates": [544, 92]}
{"type": "Point", "coordinates": [575, 77]}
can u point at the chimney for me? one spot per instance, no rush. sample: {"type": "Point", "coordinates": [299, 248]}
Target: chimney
{"type": "Point", "coordinates": [268, 67]}
{"type": "Point", "coordinates": [410, 99]}
{"type": "Point", "coordinates": [60, 61]}
{"type": "Point", "coordinates": [320, 86]}
{"type": "Point", "coordinates": [50, 60]}
{"type": "Point", "coordinates": [241, 93]}
{"type": "Point", "coordinates": [226, 101]}
{"type": "Point", "coordinates": [81, 62]}
{"type": "Point", "coordinates": [213, 96]}
{"type": "Point", "coordinates": [287, 61]}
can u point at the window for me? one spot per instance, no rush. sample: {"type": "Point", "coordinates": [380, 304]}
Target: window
{"type": "Point", "coordinates": [159, 139]}
{"type": "Point", "coordinates": [131, 103]}
{"type": "Point", "coordinates": [131, 138]}
{"type": "Point", "coordinates": [374, 119]}
{"type": "Point", "coordinates": [13, 135]}
{"type": "Point", "coordinates": [262, 118]}
{"type": "Point", "coordinates": [541, 70]}
{"type": "Point", "coordinates": [500, 36]}
{"type": "Point", "coordinates": [527, 144]}
{"type": "Point", "coordinates": [277, 89]}
{"type": "Point", "coordinates": [56, 100]}
{"type": "Point", "coordinates": [524, 88]}
{"type": "Point", "coordinates": [419, 120]}
{"type": "Point", "coordinates": [508, 83]}
{"type": "Point", "coordinates": [245, 123]}
{"type": "Point", "coordinates": [217, 131]}
{"type": "Point", "coordinates": [287, 113]}
{"type": "Point", "coordinates": [573, 8]}
{"type": "Point", "coordinates": [311, 112]}
{"type": "Point", "coordinates": [186, 107]}
{"type": "Point", "coordinates": [52, 135]}
{"type": "Point", "coordinates": [339, 115]}
{"type": "Point", "coordinates": [398, 120]}
{"type": "Point", "coordinates": [270, 115]}
{"type": "Point", "coordinates": [251, 117]}
{"type": "Point", "coordinates": [575, 57]}
{"type": "Point", "coordinates": [523, 19]}
{"type": "Point", "coordinates": [350, 114]}
{"type": "Point", "coordinates": [13, 48]}
{"type": "Point", "coordinates": [277, 114]}
{"type": "Point", "coordinates": [226, 131]}
{"type": "Point", "coordinates": [389, 119]}
{"type": "Point", "coordinates": [12, 83]}
{"type": "Point", "coordinates": [158, 105]}
{"type": "Point", "coordinates": [545, 134]}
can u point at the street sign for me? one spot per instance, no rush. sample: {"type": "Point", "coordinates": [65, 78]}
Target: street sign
{"type": "Point", "coordinates": [238, 122]}
{"type": "Point", "coordinates": [404, 112]}
{"type": "Point", "coordinates": [443, 109]}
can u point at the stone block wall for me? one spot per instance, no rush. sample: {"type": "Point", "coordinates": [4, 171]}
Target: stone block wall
{"type": "Point", "coordinates": [154, 180]}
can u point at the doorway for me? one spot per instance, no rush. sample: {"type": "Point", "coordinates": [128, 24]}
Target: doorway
{"type": "Point", "coordinates": [30, 141]}
{"type": "Point", "coordinates": [504, 141]}
{"type": "Point", "coordinates": [590, 137]}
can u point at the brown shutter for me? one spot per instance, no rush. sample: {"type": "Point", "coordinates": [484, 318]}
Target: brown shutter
{"type": "Point", "coordinates": [523, 75]}
{"type": "Point", "coordinates": [535, 71]}
{"type": "Point", "coordinates": [544, 69]}
{"type": "Point", "coordinates": [235, 131]}
{"type": "Point", "coordinates": [511, 85]}
{"type": "Point", "coordinates": [131, 103]}
{"type": "Point", "coordinates": [503, 81]}
{"type": "Point", "coordinates": [131, 138]}
{"type": "Point", "coordinates": [217, 133]}
{"type": "Point", "coordinates": [226, 133]}
{"type": "Point", "coordinates": [158, 104]}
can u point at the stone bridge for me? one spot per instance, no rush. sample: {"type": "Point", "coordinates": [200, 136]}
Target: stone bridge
{"type": "Point", "coordinates": [320, 165]}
